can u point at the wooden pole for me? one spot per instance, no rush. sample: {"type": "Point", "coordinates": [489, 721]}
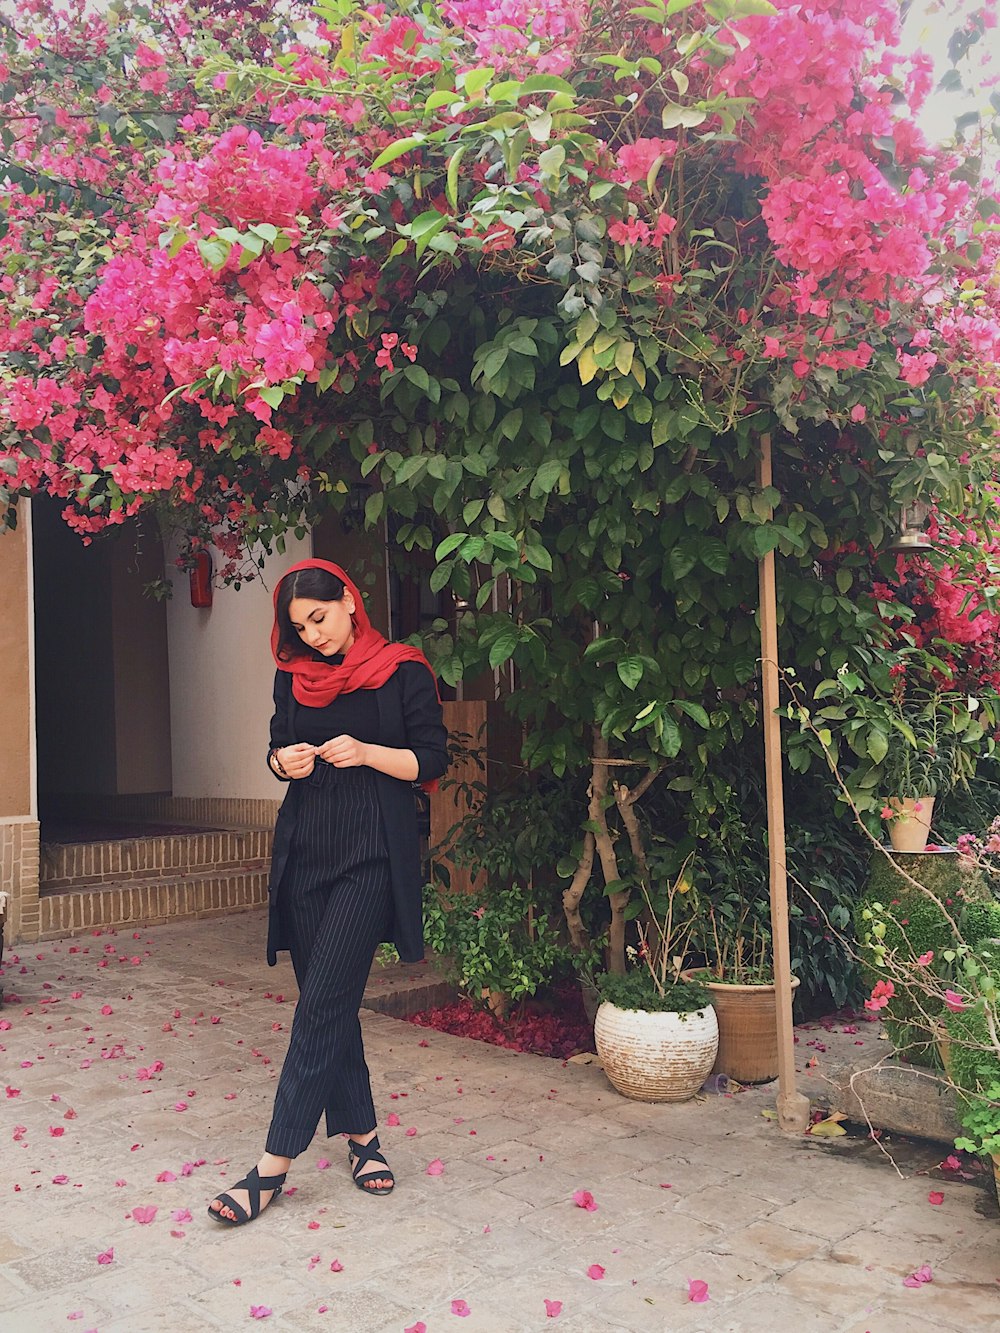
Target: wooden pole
{"type": "Point", "coordinates": [792, 1106]}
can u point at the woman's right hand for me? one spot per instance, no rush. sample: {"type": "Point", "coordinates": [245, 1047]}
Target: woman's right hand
{"type": "Point", "coordinates": [298, 761]}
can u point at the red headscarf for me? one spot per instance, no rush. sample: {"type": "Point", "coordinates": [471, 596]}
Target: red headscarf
{"type": "Point", "coordinates": [368, 663]}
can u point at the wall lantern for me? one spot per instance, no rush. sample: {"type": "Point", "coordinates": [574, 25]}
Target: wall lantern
{"type": "Point", "coordinates": [201, 580]}
{"type": "Point", "coordinates": [911, 535]}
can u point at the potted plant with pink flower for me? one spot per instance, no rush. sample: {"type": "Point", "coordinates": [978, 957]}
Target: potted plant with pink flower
{"type": "Point", "coordinates": [914, 737]}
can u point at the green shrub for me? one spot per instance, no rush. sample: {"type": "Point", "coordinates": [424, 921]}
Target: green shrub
{"type": "Point", "coordinates": [974, 1066]}
{"type": "Point", "coordinates": [979, 922]}
{"type": "Point", "coordinates": [915, 923]}
{"type": "Point", "coordinates": [490, 942]}
{"type": "Point", "coordinates": [635, 990]}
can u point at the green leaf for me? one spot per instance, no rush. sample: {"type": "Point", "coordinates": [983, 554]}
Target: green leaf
{"type": "Point", "coordinates": [397, 149]}
{"type": "Point", "coordinates": [451, 543]}
{"type": "Point", "coordinates": [416, 375]}
{"type": "Point", "coordinates": [877, 746]}
{"type": "Point", "coordinates": [765, 539]}
{"type": "Point", "coordinates": [503, 646]}
{"type": "Point", "coordinates": [547, 477]}
{"type": "Point", "coordinates": [451, 182]}
{"type": "Point", "coordinates": [630, 670]}
{"type": "Point", "coordinates": [474, 80]}
{"type": "Point", "coordinates": [214, 252]}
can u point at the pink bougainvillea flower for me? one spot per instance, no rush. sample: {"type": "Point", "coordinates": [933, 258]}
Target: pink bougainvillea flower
{"type": "Point", "coordinates": [697, 1290]}
{"type": "Point", "coordinates": [418, 1327]}
{"type": "Point", "coordinates": [436, 1168]}
{"type": "Point", "coordinates": [106, 1010]}
{"type": "Point", "coordinates": [553, 1309]}
{"type": "Point", "coordinates": [953, 1001]}
{"type": "Point", "coordinates": [887, 812]}
{"type": "Point", "coordinates": [336, 1266]}
{"type": "Point", "coordinates": [919, 1277]}
{"type": "Point", "coordinates": [951, 1163]}
{"type": "Point", "coordinates": [935, 1197]}
{"type": "Point", "coordinates": [392, 1119]}
{"type": "Point", "coordinates": [461, 1308]}
{"type": "Point", "coordinates": [165, 1177]}
{"type": "Point", "coordinates": [926, 959]}
{"type": "Point", "coordinates": [260, 1311]}
{"type": "Point", "coordinates": [584, 1199]}
{"type": "Point", "coordinates": [107, 1257]}
{"type": "Point", "coordinates": [882, 993]}
{"type": "Point", "coordinates": [181, 1215]}
{"type": "Point", "coordinates": [595, 1272]}
{"type": "Point", "coordinates": [323, 1164]}
{"type": "Point", "coordinates": [143, 1215]}
{"type": "Point", "coordinates": [411, 1131]}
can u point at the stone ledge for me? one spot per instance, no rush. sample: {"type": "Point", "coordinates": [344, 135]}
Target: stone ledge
{"type": "Point", "coordinates": [75, 911]}
{"type": "Point", "coordinates": [868, 1083]}
{"type": "Point", "coordinates": [403, 989]}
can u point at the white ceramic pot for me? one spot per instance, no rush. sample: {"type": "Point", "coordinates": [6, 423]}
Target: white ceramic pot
{"type": "Point", "coordinates": [656, 1057]}
{"type": "Point", "coordinates": [910, 825]}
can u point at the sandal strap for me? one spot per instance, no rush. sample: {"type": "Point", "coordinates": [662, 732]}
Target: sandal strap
{"type": "Point", "coordinates": [253, 1182]}
{"type": "Point", "coordinates": [241, 1213]}
{"type": "Point", "coordinates": [363, 1153]}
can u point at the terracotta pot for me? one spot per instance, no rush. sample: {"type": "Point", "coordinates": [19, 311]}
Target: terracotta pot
{"type": "Point", "coordinates": [748, 1030]}
{"type": "Point", "coordinates": [909, 828]}
{"type": "Point", "coordinates": [656, 1057]}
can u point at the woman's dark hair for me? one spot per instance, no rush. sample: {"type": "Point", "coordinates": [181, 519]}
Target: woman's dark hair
{"type": "Point", "coordinates": [316, 584]}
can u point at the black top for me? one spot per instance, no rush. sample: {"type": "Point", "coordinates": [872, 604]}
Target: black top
{"type": "Point", "coordinates": [408, 716]}
{"type": "Point", "coordinates": [354, 714]}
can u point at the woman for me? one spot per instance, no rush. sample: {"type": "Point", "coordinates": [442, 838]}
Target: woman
{"type": "Point", "coordinates": [357, 721]}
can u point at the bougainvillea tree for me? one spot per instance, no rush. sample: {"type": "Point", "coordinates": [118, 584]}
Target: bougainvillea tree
{"type": "Point", "coordinates": [542, 275]}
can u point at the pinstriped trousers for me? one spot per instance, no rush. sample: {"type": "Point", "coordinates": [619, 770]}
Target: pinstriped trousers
{"type": "Point", "coordinates": [336, 904]}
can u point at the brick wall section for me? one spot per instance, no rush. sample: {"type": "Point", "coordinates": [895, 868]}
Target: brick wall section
{"type": "Point", "coordinates": [134, 860]}
{"type": "Point", "coordinates": [202, 810]}
{"type": "Point", "coordinates": [148, 904]}
{"type": "Point", "coordinates": [19, 878]}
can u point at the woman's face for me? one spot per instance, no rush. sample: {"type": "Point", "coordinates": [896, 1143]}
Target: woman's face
{"type": "Point", "coordinates": [324, 626]}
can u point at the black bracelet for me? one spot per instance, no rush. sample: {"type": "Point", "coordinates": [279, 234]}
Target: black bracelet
{"type": "Point", "coordinates": [277, 764]}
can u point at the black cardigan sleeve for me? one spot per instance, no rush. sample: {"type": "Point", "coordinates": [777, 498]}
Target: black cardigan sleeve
{"type": "Point", "coordinates": [281, 722]}
{"type": "Point", "coordinates": [426, 734]}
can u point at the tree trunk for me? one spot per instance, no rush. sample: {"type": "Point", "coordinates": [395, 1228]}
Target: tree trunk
{"type": "Point", "coordinates": [606, 852]}
{"type": "Point", "coordinates": [578, 936]}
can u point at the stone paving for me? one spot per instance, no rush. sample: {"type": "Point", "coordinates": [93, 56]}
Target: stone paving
{"type": "Point", "coordinates": [140, 1070]}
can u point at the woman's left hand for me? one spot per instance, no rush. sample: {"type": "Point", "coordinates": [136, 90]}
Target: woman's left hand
{"type": "Point", "coordinates": [343, 752]}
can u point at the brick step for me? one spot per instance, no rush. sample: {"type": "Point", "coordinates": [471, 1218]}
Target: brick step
{"type": "Point", "coordinates": [73, 911]}
{"type": "Point", "coordinates": [151, 859]}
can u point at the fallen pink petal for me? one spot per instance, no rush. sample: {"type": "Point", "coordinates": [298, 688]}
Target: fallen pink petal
{"type": "Point", "coordinates": [260, 1311]}
{"type": "Point", "coordinates": [697, 1291]}
{"type": "Point", "coordinates": [392, 1119]}
{"type": "Point", "coordinates": [595, 1272]}
{"type": "Point", "coordinates": [418, 1327]}
{"type": "Point", "coordinates": [336, 1266]}
{"type": "Point", "coordinates": [935, 1197]}
{"type": "Point", "coordinates": [435, 1168]}
{"type": "Point", "coordinates": [553, 1309]}
{"type": "Point", "coordinates": [181, 1215]}
{"type": "Point", "coordinates": [919, 1277]}
{"type": "Point", "coordinates": [323, 1164]}
{"type": "Point", "coordinates": [143, 1215]}
{"type": "Point", "coordinates": [584, 1199]}
{"type": "Point", "coordinates": [461, 1308]}
{"type": "Point", "coordinates": [108, 1256]}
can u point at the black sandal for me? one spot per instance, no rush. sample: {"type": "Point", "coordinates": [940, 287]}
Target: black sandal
{"type": "Point", "coordinates": [253, 1183]}
{"type": "Point", "coordinates": [358, 1155]}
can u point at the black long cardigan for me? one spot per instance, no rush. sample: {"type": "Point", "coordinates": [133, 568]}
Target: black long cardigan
{"type": "Point", "coordinates": [409, 719]}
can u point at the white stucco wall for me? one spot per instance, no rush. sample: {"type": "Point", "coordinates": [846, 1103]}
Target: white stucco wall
{"type": "Point", "coordinates": [221, 677]}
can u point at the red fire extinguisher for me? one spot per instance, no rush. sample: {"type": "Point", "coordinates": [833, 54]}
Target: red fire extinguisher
{"type": "Point", "coordinates": [201, 580]}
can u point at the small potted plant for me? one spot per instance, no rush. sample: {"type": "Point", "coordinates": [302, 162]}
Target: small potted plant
{"type": "Point", "coordinates": [656, 1032]}
{"type": "Point", "coordinates": [915, 737]}
{"type": "Point", "coordinates": [738, 973]}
